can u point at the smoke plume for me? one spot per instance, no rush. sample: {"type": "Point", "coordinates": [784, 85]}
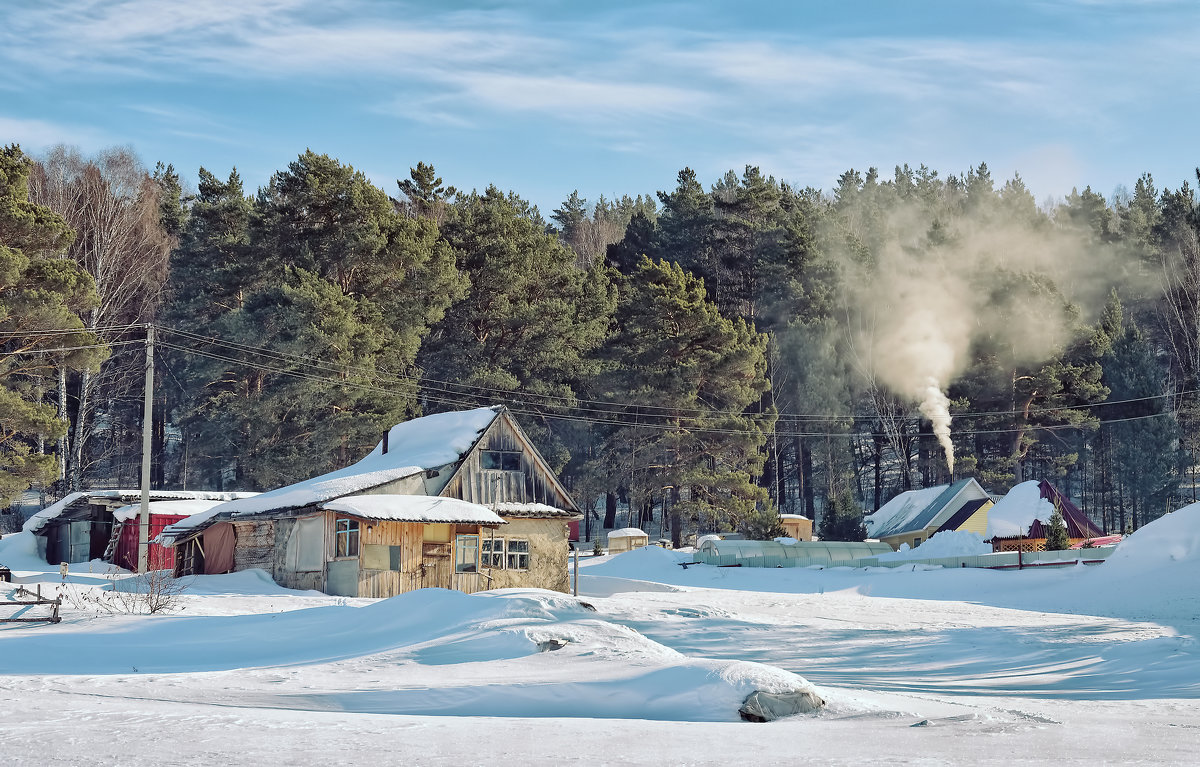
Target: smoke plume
{"type": "Point", "coordinates": [923, 287]}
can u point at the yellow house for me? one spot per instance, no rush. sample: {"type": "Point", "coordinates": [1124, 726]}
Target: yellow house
{"type": "Point", "coordinates": [915, 516]}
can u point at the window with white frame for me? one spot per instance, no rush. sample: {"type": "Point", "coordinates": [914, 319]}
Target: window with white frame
{"type": "Point", "coordinates": [492, 553]}
{"type": "Point", "coordinates": [518, 553]}
{"type": "Point", "coordinates": [505, 553]}
{"type": "Point", "coordinates": [345, 537]}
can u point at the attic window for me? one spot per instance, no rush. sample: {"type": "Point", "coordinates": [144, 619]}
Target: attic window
{"type": "Point", "coordinates": [500, 460]}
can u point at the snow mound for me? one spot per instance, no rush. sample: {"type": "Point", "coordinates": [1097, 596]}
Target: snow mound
{"type": "Point", "coordinates": [646, 563]}
{"type": "Point", "coordinates": [18, 551]}
{"type": "Point", "coordinates": [1173, 539]}
{"type": "Point", "coordinates": [252, 582]}
{"type": "Point", "coordinates": [554, 657]}
{"type": "Point", "coordinates": [948, 543]}
{"type": "Point", "coordinates": [1015, 512]}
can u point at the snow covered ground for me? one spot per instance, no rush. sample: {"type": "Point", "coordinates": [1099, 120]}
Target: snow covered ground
{"type": "Point", "coordinates": [1081, 665]}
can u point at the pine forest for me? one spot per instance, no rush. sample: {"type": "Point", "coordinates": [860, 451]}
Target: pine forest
{"type": "Point", "coordinates": [700, 358]}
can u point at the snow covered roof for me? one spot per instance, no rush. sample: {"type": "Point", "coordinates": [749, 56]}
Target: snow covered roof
{"type": "Point", "coordinates": [39, 520]}
{"type": "Point", "coordinates": [415, 508]}
{"type": "Point", "coordinates": [918, 509]}
{"type": "Point", "coordinates": [1032, 503]}
{"type": "Point", "coordinates": [532, 511]}
{"type": "Point", "coordinates": [55, 510]}
{"type": "Point", "coordinates": [183, 507]}
{"type": "Point", "coordinates": [412, 447]}
{"type": "Point", "coordinates": [627, 532]}
{"type": "Point", "coordinates": [793, 516]}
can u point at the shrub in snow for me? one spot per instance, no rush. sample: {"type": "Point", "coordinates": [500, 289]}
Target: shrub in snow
{"type": "Point", "coordinates": [151, 592]}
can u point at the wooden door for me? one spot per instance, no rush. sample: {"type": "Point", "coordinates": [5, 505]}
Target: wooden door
{"type": "Point", "coordinates": [437, 565]}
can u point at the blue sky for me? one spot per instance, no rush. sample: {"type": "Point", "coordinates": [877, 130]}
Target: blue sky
{"type": "Point", "coordinates": [615, 97]}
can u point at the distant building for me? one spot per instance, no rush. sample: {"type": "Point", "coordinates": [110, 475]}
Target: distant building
{"type": "Point", "coordinates": [1021, 519]}
{"type": "Point", "coordinates": [913, 517]}
{"type": "Point", "coordinates": [797, 526]}
{"type": "Point", "coordinates": [457, 500]}
{"type": "Point", "coordinates": [626, 539]}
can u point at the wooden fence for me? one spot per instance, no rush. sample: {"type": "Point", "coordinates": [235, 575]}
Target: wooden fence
{"type": "Point", "coordinates": [25, 599]}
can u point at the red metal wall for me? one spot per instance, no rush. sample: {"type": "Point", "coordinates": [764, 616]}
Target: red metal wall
{"type": "Point", "coordinates": [161, 557]}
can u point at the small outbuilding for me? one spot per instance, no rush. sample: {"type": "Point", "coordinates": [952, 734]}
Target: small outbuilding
{"type": "Point", "coordinates": [797, 526]}
{"type": "Point", "coordinates": [103, 524]}
{"type": "Point", "coordinates": [626, 539]}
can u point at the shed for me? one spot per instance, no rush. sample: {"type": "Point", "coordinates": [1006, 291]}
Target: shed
{"type": "Point", "coordinates": [626, 539]}
{"type": "Point", "coordinates": [81, 526]}
{"type": "Point", "coordinates": [797, 526]}
{"type": "Point", "coordinates": [127, 521]}
{"type": "Point", "coordinates": [478, 456]}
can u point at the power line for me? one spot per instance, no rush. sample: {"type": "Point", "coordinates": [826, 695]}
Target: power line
{"type": "Point", "coordinates": [607, 406]}
{"type": "Point", "coordinates": [596, 412]}
{"type": "Point", "coordinates": [518, 409]}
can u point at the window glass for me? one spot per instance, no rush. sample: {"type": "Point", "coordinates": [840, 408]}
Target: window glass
{"type": "Point", "coordinates": [518, 554]}
{"type": "Point", "coordinates": [466, 554]}
{"type": "Point", "coordinates": [500, 460]}
{"type": "Point", "coordinates": [346, 538]}
{"type": "Point", "coordinates": [493, 553]}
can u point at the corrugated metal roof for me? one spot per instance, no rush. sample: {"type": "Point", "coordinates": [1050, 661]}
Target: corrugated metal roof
{"type": "Point", "coordinates": [518, 510]}
{"type": "Point", "coordinates": [908, 519]}
{"type": "Point", "coordinates": [429, 509]}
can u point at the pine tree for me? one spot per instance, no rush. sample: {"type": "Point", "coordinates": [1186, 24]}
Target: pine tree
{"type": "Point", "coordinates": [843, 519]}
{"type": "Point", "coordinates": [530, 320]}
{"type": "Point", "coordinates": [425, 194]}
{"type": "Point", "coordinates": [42, 296]}
{"type": "Point", "coordinates": [696, 372]}
{"type": "Point", "coordinates": [324, 271]}
{"type": "Point", "coordinates": [1056, 532]}
{"type": "Point", "coordinates": [1143, 434]}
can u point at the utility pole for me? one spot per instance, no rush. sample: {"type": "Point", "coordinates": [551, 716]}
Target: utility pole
{"type": "Point", "coordinates": [147, 421]}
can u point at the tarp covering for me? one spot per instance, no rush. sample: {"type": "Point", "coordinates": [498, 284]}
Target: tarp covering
{"type": "Point", "coordinates": [219, 541]}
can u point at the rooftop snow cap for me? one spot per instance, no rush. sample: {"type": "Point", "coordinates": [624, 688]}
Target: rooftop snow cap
{"type": "Point", "coordinates": [414, 447]}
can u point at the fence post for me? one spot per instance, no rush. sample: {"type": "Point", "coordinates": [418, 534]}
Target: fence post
{"type": "Point", "coordinates": [1020, 560]}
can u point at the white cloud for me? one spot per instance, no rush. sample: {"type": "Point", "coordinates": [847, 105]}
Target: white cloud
{"type": "Point", "coordinates": [35, 135]}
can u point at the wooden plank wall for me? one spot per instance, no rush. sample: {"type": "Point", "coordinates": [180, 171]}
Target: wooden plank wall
{"type": "Point", "coordinates": [477, 485]}
{"type": "Point", "coordinates": [389, 583]}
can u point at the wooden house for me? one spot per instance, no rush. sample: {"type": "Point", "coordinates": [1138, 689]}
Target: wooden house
{"type": "Point", "coordinates": [503, 517]}
{"type": "Point", "coordinates": [915, 516]}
